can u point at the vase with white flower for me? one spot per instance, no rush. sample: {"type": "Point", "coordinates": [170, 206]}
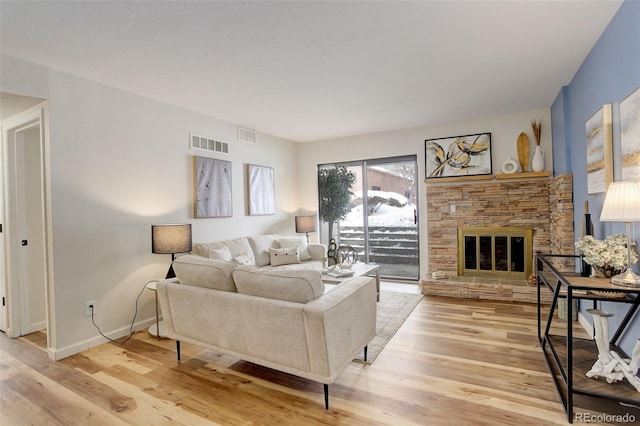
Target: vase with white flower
{"type": "Point", "coordinates": [607, 257]}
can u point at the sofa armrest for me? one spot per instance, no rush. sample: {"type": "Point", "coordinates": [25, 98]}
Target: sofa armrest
{"type": "Point", "coordinates": [317, 251]}
{"type": "Point", "coordinates": [340, 324]}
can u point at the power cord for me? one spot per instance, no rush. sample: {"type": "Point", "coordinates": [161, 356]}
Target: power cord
{"type": "Point", "coordinates": [131, 330]}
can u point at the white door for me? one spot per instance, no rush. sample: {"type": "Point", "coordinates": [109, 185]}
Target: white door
{"type": "Point", "coordinates": [24, 248]}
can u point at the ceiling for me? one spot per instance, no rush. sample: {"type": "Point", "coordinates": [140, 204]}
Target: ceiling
{"type": "Point", "coordinates": [315, 70]}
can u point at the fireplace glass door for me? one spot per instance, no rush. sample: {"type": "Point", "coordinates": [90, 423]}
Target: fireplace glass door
{"type": "Point", "coordinates": [499, 252]}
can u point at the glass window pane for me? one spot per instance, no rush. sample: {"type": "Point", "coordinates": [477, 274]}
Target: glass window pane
{"type": "Point", "coordinates": [501, 254]}
{"type": "Point", "coordinates": [470, 261]}
{"type": "Point", "coordinates": [485, 254]}
{"type": "Point", "coordinates": [517, 254]}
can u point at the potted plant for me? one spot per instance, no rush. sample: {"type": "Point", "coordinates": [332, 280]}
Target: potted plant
{"type": "Point", "coordinates": [333, 192]}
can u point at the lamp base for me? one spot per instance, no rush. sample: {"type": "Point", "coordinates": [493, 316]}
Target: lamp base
{"type": "Point", "coordinates": [627, 279]}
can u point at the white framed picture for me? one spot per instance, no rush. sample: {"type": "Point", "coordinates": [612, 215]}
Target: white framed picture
{"type": "Point", "coordinates": [261, 190]}
{"type": "Point", "coordinates": [212, 187]}
{"type": "Point", "coordinates": [630, 136]}
{"type": "Point", "coordinates": [599, 148]}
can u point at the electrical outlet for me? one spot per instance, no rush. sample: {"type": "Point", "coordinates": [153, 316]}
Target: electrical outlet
{"type": "Point", "coordinates": [452, 208]}
{"type": "Point", "coordinates": [87, 307]}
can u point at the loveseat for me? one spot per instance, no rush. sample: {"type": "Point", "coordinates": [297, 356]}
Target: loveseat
{"type": "Point", "coordinates": [274, 316]}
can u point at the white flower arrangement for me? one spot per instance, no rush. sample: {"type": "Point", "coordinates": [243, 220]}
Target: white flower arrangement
{"type": "Point", "coordinates": [608, 254]}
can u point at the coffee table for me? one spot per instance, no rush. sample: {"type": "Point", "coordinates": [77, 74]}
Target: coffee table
{"type": "Point", "coordinates": [359, 270]}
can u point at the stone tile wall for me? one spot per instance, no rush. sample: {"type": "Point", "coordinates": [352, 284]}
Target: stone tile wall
{"type": "Point", "coordinates": [518, 203]}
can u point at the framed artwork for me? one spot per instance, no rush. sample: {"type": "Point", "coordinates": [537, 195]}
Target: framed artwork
{"type": "Point", "coordinates": [630, 136]}
{"type": "Point", "coordinates": [261, 185]}
{"type": "Point", "coordinates": [212, 187]}
{"type": "Point", "coordinates": [458, 156]}
{"type": "Point", "coordinates": [599, 150]}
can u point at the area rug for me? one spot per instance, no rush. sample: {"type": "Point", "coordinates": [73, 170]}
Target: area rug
{"type": "Point", "coordinates": [393, 309]}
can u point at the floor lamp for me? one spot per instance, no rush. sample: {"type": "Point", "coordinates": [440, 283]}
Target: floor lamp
{"type": "Point", "coordinates": [171, 239]}
{"type": "Point", "coordinates": [622, 204]}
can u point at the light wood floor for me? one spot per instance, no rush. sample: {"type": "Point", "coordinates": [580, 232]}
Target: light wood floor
{"type": "Point", "coordinates": [453, 362]}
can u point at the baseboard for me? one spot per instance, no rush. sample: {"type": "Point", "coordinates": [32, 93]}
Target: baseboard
{"type": "Point", "coordinates": [57, 354]}
{"type": "Point", "coordinates": [42, 325]}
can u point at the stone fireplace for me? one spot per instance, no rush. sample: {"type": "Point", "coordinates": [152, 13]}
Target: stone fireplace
{"type": "Point", "coordinates": [541, 205]}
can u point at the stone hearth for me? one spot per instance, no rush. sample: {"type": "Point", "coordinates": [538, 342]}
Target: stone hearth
{"type": "Point", "coordinates": [483, 288]}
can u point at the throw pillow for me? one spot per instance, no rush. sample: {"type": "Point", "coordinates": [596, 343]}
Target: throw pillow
{"type": "Point", "coordinates": [290, 285]}
{"type": "Point", "coordinates": [202, 272]}
{"type": "Point", "coordinates": [301, 242]}
{"type": "Point", "coordinates": [243, 259]}
{"type": "Point", "coordinates": [221, 253]}
{"type": "Point", "coordinates": [261, 245]}
{"type": "Point", "coordinates": [238, 246]}
{"type": "Point", "coordinates": [284, 256]}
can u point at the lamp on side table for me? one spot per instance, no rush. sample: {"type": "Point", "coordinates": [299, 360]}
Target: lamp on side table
{"type": "Point", "coordinates": [622, 204]}
{"type": "Point", "coordinates": [167, 239]}
{"type": "Point", "coordinates": [306, 224]}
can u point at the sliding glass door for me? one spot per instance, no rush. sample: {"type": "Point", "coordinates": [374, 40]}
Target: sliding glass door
{"type": "Point", "coordinates": [382, 222]}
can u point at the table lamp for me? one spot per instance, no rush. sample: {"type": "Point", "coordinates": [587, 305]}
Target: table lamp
{"type": "Point", "coordinates": [171, 239]}
{"type": "Point", "coordinates": [305, 224]}
{"type": "Point", "coordinates": [622, 204]}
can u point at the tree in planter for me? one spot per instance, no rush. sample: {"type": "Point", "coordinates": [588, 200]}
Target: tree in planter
{"type": "Point", "coordinates": [333, 192]}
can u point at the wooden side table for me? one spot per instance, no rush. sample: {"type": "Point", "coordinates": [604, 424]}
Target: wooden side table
{"type": "Point", "coordinates": [157, 329]}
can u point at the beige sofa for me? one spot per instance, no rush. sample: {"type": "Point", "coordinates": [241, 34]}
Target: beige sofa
{"type": "Point", "coordinates": [261, 251]}
{"type": "Point", "coordinates": [272, 316]}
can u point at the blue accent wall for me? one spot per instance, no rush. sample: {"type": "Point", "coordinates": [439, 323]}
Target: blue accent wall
{"type": "Point", "coordinates": [610, 72]}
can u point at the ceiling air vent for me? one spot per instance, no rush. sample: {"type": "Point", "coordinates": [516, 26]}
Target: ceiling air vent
{"type": "Point", "coordinates": [208, 144]}
{"type": "Point", "coordinates": [247, 135]}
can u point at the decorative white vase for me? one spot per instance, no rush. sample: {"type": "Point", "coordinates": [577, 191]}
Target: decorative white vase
{"type": "Point", "coordinates": [537, 163]}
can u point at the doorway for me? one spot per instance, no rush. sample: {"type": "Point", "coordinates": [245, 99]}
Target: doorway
{"type": "Point", "coordinates": [23, 240]}
{"type": "Point", "coordinates": [382, 225]}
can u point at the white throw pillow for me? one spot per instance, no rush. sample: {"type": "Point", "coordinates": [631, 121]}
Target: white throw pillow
{"type": "Point", "coordinates": [202, 272]}
{"type": "Point", "coordinates": [221, 253]}
{"type": "Point", "coordinates": [243, 259]}
{"type": "Point", "coordinates": [261, 245]}
{"type": "Point", "coordinates": [290, 285]}
{"type": "Point", "coordinates": [301, 242]}
{"type": "Point", "coordinates": [284, 256]}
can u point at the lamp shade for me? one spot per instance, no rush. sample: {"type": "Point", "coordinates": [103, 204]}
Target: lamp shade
{"type": "Point", "coordinates": [622, 203]}
{"type": "Point", "coordinates": [170, 239]}
{"type": "Point", "coordinates": [305, 224]}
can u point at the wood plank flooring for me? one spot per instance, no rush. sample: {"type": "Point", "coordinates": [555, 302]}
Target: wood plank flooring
{"type": "Point", "coordinates": [453, 362]}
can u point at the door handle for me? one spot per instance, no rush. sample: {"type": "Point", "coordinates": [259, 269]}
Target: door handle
{"type": "Point", "coordinates": [415, 216]}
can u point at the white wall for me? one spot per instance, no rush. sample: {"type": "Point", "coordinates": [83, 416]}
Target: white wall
{"type": "Point", "coordinates": [120, 163]}
{"type": "Point", "coordinates": [504, 134]}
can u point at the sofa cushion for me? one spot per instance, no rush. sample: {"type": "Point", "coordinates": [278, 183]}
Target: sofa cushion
{"type": "Point", "coordinates": [284, 256]}
{"type": "Point", "coordinates": [203, 272]}
{"type": "Point", "coordinates": [236, 246]}
{"type": "Point", "coordinates": [300, 286]}
{"type": "Point", "coordinates": [261, 245]}
{"type": "Point", "coordinates": [301, 242]}
{"type": "Point", "coordinates": [221, 253]}
{"type": "Point", "coordinates": [243, 259]}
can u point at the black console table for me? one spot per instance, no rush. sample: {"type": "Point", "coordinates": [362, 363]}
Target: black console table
{"type": "Point", "coordinates": [569, 357]}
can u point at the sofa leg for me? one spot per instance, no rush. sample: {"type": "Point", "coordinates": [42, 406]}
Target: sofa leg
{"type": "Point", "coordinates": [365, 353]}
{"type": "Point", "coordinates": [178, 349]}
{"type": "Point", "coordinates": [326, 396]}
